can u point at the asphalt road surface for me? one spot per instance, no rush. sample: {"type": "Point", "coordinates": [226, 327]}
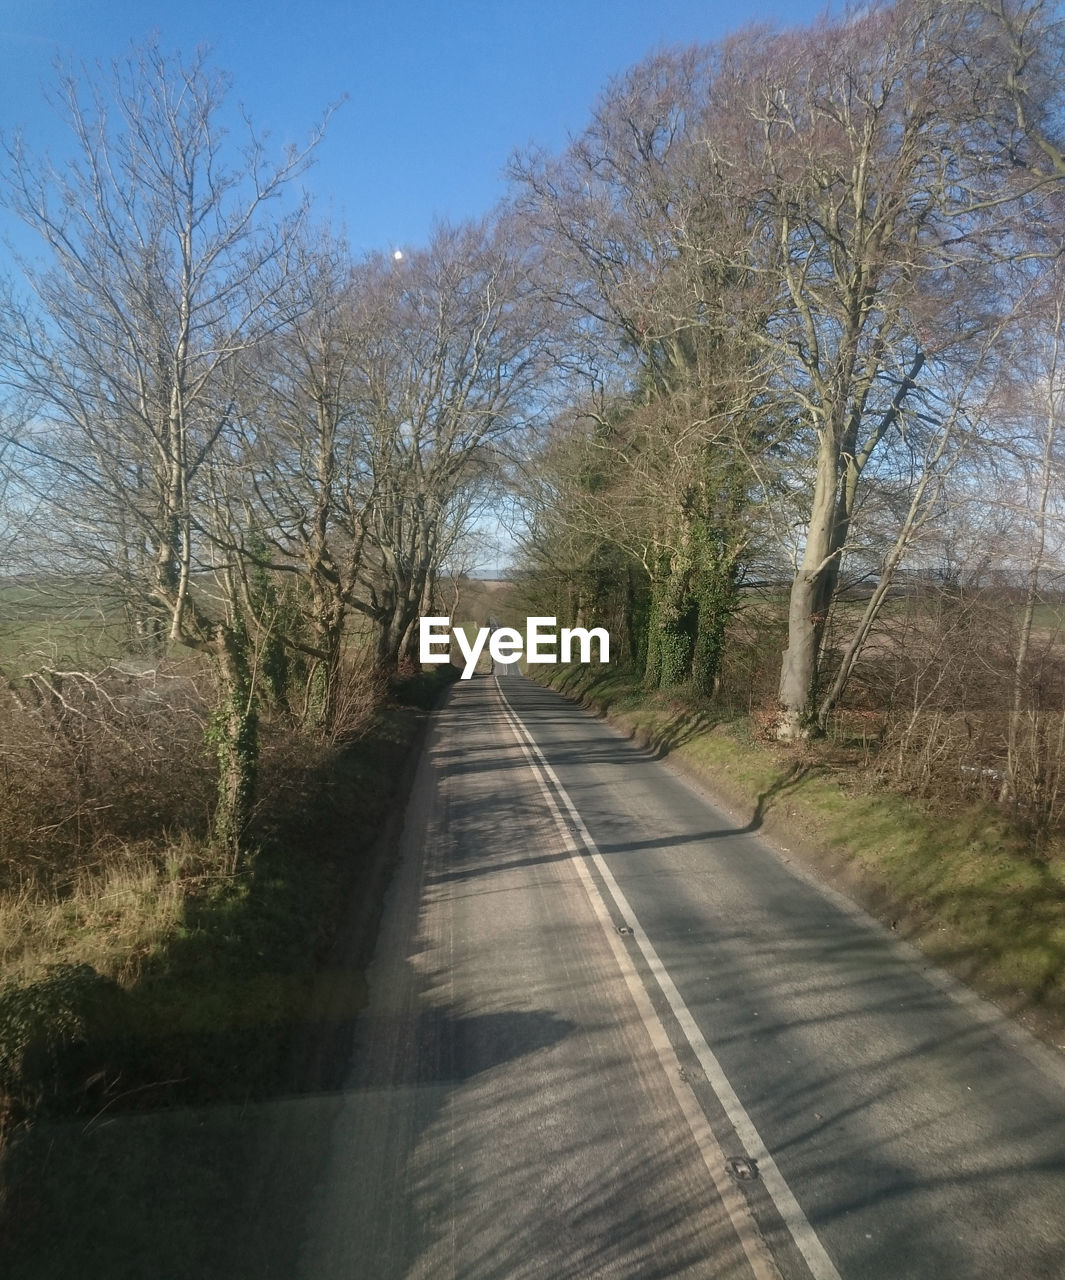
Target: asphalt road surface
{"type": "Point", "coordinates": [609, 1034]}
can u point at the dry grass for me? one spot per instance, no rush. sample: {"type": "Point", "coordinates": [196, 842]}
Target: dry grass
{"type": "Point", "coordinates": [112, 915]}
{"type": "Point", "coordinates": [136, 971]}
{"type": "Point", "coordinates": [105, 787]}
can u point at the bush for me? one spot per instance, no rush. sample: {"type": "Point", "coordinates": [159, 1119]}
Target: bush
{"type": "Point", "coordinates": [51, 1029]}
{"type": "Point", "coordinates": [86, 759]}
{"type": "Point", "coordinates": [422, 688]}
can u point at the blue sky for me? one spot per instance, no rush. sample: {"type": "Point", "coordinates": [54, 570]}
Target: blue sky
{"type": "Point", "coordinates": [440, 92]}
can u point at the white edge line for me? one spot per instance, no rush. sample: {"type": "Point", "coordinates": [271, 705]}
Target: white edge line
{"type": "Point", "coordinates": [735, 1205]}
{"type": "Point", "coordinates": [1045, 1056]}
{"type": "Point", "coordinates": [806, 1239]}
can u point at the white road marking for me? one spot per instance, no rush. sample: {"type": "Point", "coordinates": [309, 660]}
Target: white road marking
{"type": "Point", "coordinates": [762, 1265]}
{"type": "Point", "coordinates": [806, 1240]}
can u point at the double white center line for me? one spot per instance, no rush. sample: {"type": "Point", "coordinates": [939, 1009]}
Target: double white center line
{"type": "Point", "coordinates": [575, 835]}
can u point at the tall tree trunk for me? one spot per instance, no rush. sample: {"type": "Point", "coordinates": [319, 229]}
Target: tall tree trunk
{"type": "Point", "coordinates": [410, 649]}
{"type": "Point", "coordinates": [652, 667]}
{"type": "Point", "coordinates": [678, 618]}
{"type": "Point", "coordinates": [840, 463]}
{"type": "Point", "coordinates": [674, 618]}
{"type": "Point", "coordinates": [235, 734]}
{"type": "Point", "coordinates": [1035, 568]}
{"type": "Point", "coordinates": [811, 594]}
{"type": "Point", "coordinates": [635, 608]}
{"type": "Point", "coordinates": [716, 593]}
{"type": "Point", "coordinates": [323, 682]}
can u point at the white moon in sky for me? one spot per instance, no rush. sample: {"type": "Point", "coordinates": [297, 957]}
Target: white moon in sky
{"type": "Point", "coordinates": [397, 256]}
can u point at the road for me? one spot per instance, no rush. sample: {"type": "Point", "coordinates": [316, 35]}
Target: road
{"type": "Point", "coordinates": [610, 1034]}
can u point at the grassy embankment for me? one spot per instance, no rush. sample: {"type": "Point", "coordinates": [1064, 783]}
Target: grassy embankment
{"type": "Point", "coordinates": [185, 982]}
{"type": "Point", "coordinates": [961, 882]}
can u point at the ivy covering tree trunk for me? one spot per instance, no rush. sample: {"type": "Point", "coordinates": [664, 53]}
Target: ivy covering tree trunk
{"type": "Point", "coordinates": [234, 733]}
{"type": "Point", "coordinates": [693, 599]}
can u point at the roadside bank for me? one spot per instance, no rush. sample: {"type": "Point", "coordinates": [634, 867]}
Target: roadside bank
{"type": "Point", "coordinates": [964, 886]}
{"type": "Point", "coordinates": [152, 1130]}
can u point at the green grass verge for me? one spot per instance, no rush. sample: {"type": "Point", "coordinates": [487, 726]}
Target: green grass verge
{"type": "Point", "coordinates": [966, 886]}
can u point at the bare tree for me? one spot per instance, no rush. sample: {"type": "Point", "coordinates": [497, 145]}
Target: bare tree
{"type": "Point", "coordinates": [304, 457]}
{"type": "Point", "coordinates": [452, 359]}
{"type": "Point", "coordinates": [641, 238]}
{"type": "Point", "coordinates": [163, 256]}
{"type": "Point", "coordinates": [877, 192]}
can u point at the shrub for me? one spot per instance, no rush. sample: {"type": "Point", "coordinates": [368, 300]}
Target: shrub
{"type": "Point", "coordinates": [50, 1029]}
